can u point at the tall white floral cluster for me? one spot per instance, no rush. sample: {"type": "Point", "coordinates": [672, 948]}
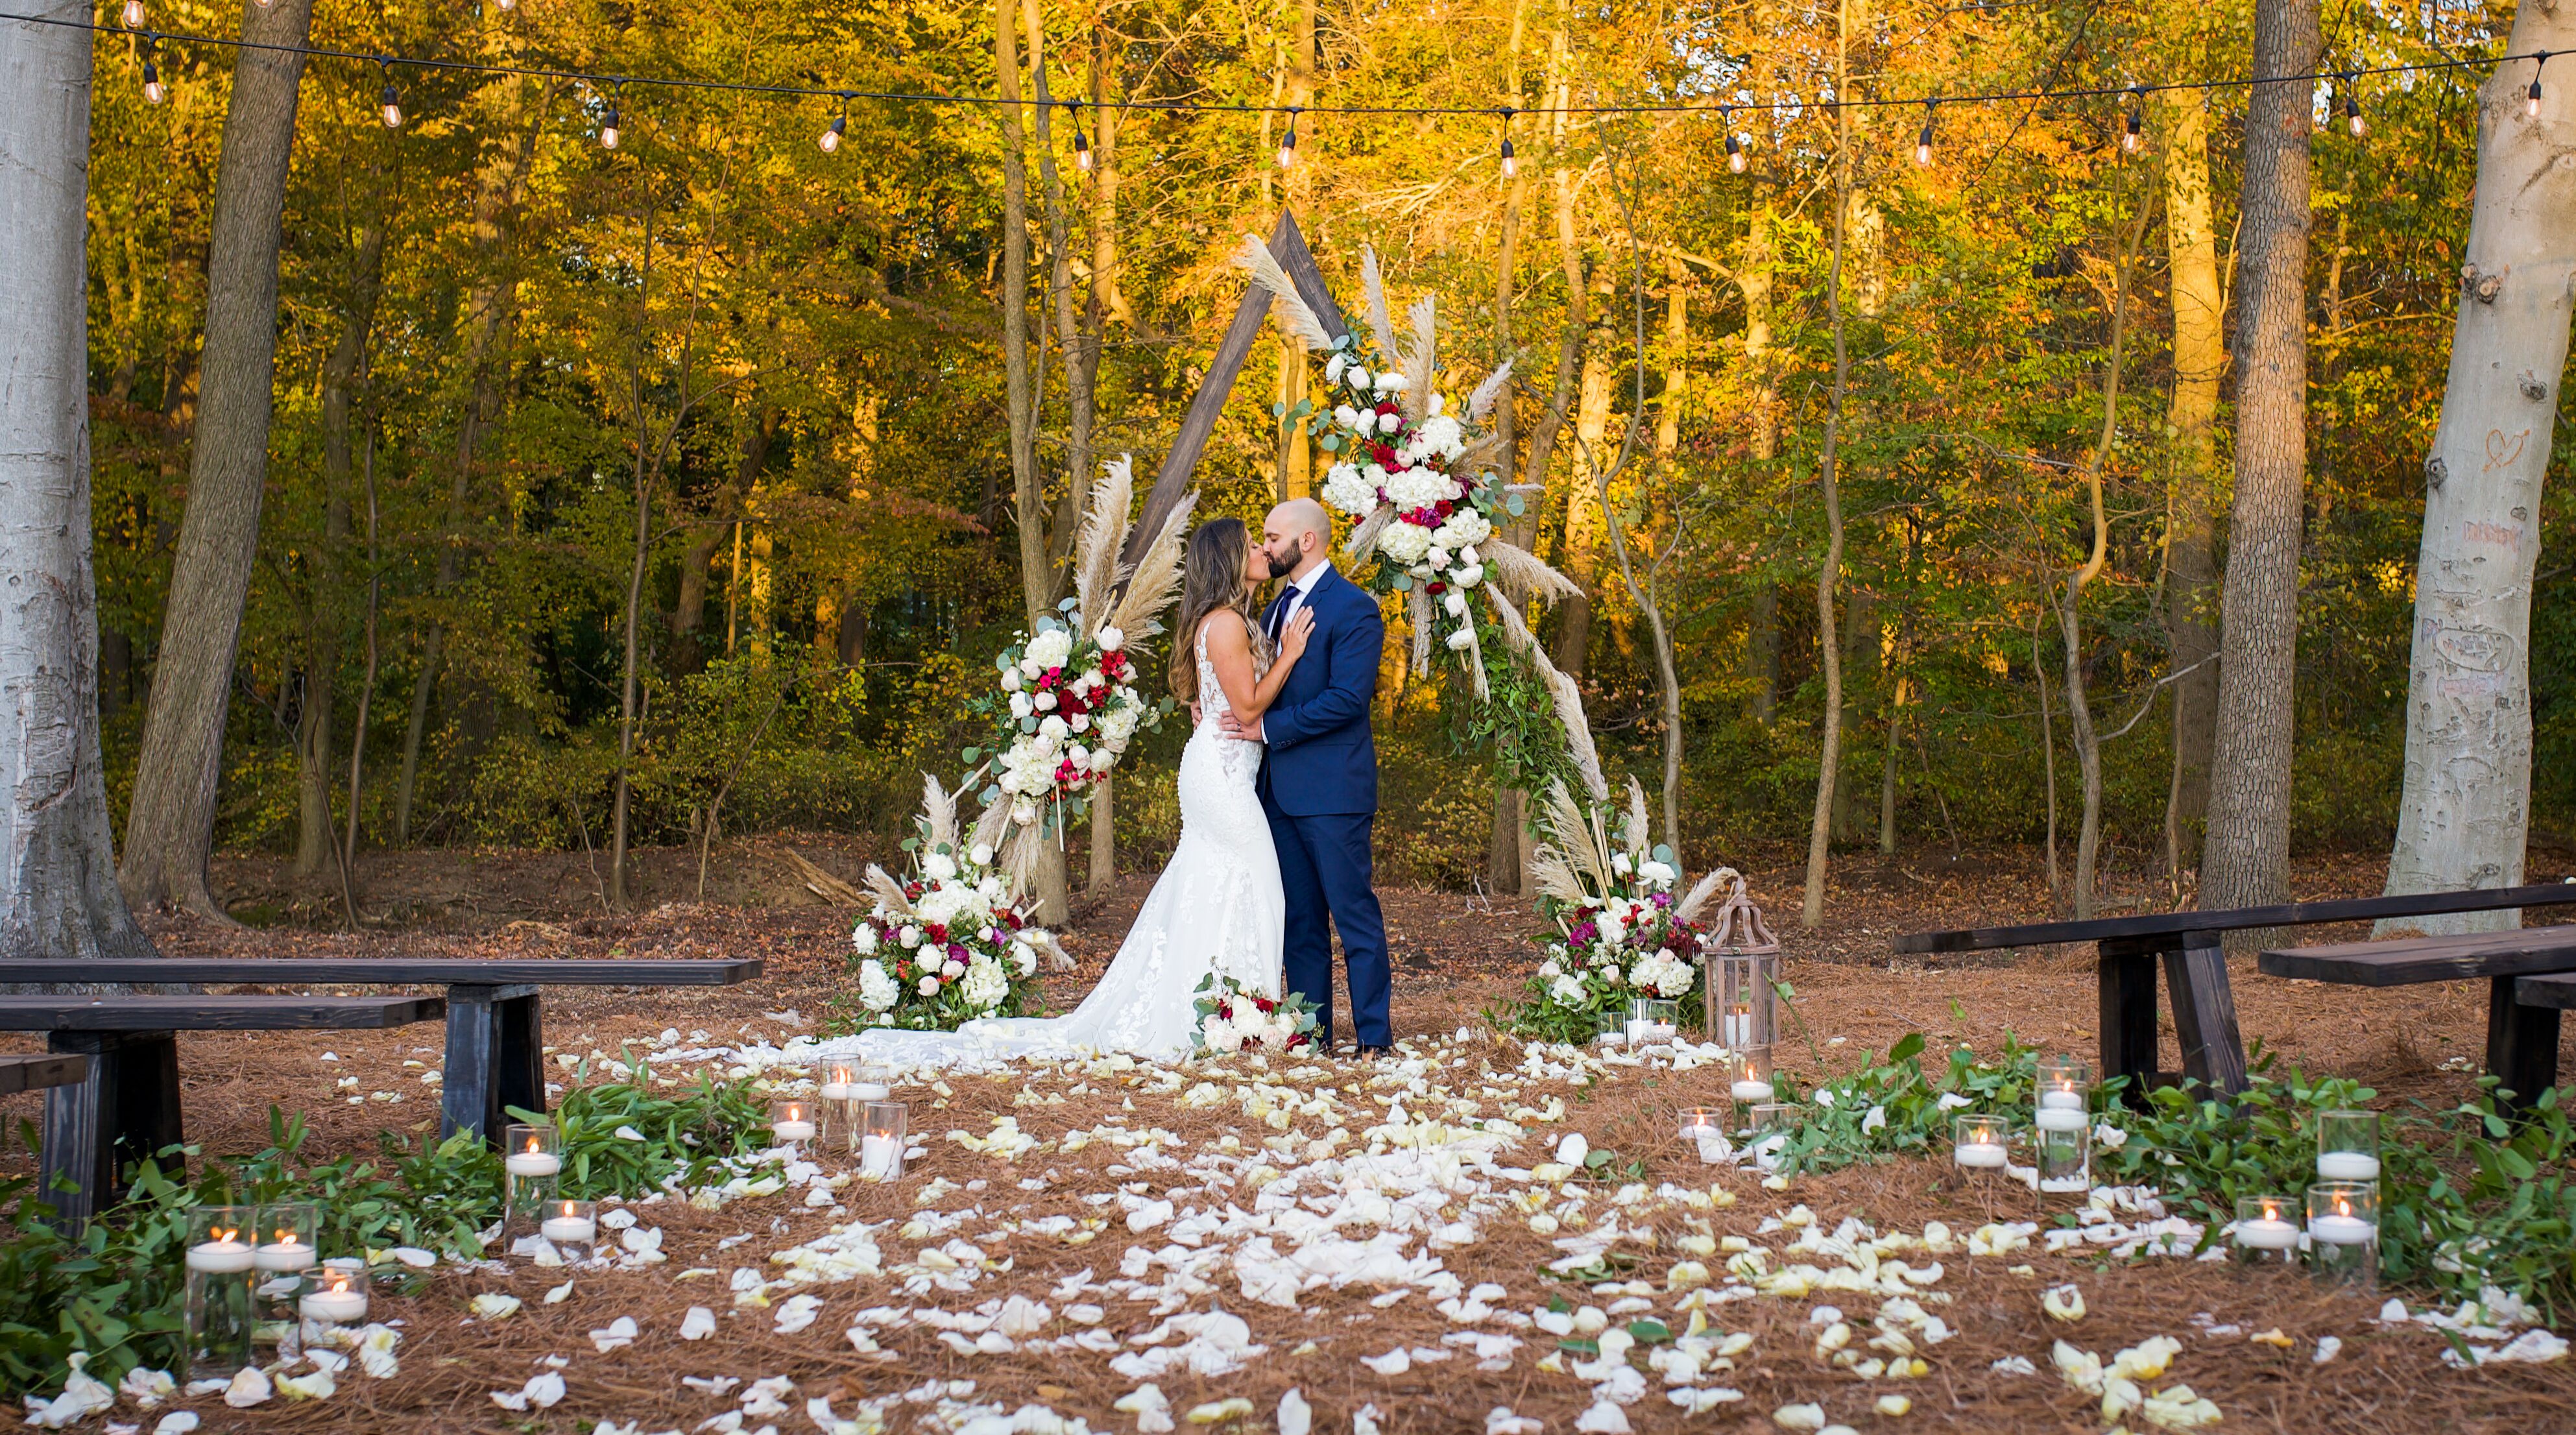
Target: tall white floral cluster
{"type": "Point", "coordinates": [1069, 713]}
{"type": "Point", "coordinates": [1434, 504]}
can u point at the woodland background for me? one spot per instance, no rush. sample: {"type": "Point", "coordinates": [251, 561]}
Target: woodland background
{"type": "Point", "coordinates": [496, 334]}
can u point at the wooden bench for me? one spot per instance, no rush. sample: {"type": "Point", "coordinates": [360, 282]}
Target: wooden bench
{"type": "Point", "coordinates": [2189, 944]}
{"type": "Point", "coordinates": [2522, 1035]}
{"type": "Point", "coordinates": [495, 1032]}
{"type": "Point", "coordinates": [126, 1106]}
{"type": "Point", "coordinates": [36, 1071]}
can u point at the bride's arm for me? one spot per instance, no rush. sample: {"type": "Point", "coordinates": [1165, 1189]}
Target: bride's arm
{"type": "Point", "coordinates": [1229, 646]}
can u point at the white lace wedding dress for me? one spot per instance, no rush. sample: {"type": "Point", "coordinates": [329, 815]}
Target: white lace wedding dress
{"type": "Point", "coordinates": [1218, 907]}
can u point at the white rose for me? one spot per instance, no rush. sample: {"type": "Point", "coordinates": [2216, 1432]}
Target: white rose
{"type": "Point", "coordinates": [1020, 705]}
{"type": "Point", "coordinates": [1462, 640]}
{"type": "Point", "coordinates": [1549, 971]}
{"type": "Point", "coordinates": [1053, 728]}
{"type": "Point", "coordinates": [1044, 702]}
{"type": "Point", "coordinates": [1456, 603]}
{"type": "Point", "coordinates": [981, 853]}
{"type": "Point", "coordinates": [1110, 639]}
{"type": "Point", "coordinates": [952, 968]}
{"type": "Point", "coordinates": [1078, 755]}
{"type": "Point", "coordinates": [1659, 873]}
{"type": "Point", "coordinates": [909, 936]}
{"type": "Point", "coordinates": [1619, 863]}
{"type": "Point", "coordinates": [929, 986]}
{"type": "Point", "coordinates": [1359, 377]}
{"type": "Point", "coordinates": [1610, 974]}
{"type": "Point", "coordinates": [1081, 722]}
{"type": "Point", "coordinates": [1467, 576]}
{"type": "Point", "coordinates": [938, 866]}
{"type": "Point", "coordinates": [1024, 958]}
{"type": "Point", "coordinates": [1389, 423]}
{"type": "Point", "coordinates": [1011, 680]}
{"type": "Point", "coordinates": [1333, 368]}
{"type": "Point", "coordinates": [1567, 991]}
{"type": "Point", "coordinates": [1390, 382]}
{"type": "Point", "coordinates": [1438, 557]}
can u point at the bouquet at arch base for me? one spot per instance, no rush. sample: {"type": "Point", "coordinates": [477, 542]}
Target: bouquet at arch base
{"type": "Point", "coordinates": [1232, 1017]}
{"type": "Point", "coordinates": [952, 942]}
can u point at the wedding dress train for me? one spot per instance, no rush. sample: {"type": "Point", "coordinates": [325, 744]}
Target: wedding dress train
{"type": "Point", "coordinates": [1217, 907]}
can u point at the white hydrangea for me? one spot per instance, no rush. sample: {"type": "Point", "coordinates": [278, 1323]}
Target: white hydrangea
{"type": "Point", "coordinates": [986, 983]}
{"type": "Point", "coordinates": [1220, 1035]}
{"type": "Point", "coordinates": [1024, 959]}
{"type": "Point", "coordinates": [938, 866]}
{"type": "Point", "coordinates": [1048, 649]}
{"type": "Point", "coordinates": [1567, 991]}
{"type": "Point", "coordinates": [877, 989]}
{"type": "Point", "coordinates": [1465, 528]}
{"type": "Point", "coordinates": [1053, 729]}
{"type": "Point", "coordinates": [1347, 489]}
{"type": "Point", "coordinates": [1442, 435]}
{"type": "Point", "coordinates": [1420, 488]}
{"type": "Point", "coordinates": [863, 938]}
{"type": "Point", "coordinates": [1404, 543]}
{"type": "Point", "coordinates": [952, 905]}
{"type": "Point", "coordinates": [1667, 974]}
{"type": "Point", "coordinates": [1117, 726]}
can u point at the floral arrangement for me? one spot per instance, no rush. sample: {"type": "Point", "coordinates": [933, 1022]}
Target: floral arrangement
{"type": "Point", "coordinates": [953, 941]}
{"type": "Point", "coordinates": [1410, 473]}
{"type": "Point", "coordinates": [1064, 708]}
{"type": "Point", "coordinates": [1622, 933]}
{"type": "Point", "coordinates": [1232, 1017]}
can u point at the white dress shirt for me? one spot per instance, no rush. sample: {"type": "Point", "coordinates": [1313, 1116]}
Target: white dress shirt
{"type": "Point", "coordinates": [1297, 594]}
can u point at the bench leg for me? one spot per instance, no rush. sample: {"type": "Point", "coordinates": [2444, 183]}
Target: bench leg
{"type": "Point", "coordinates": [494, 1059]}
{"type": "Point", "coordinates": [126, 1110]}
{"type": "Point", "coordinates": [2522, 1045]}
{"type": "Point", "coordinates": [2205, 1013]}
{"type": "Point", "coordinates": [2128, 1018]}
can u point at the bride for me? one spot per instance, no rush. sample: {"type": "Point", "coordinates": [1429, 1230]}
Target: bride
{"type": "Point", "coordinates": [1218, 906]}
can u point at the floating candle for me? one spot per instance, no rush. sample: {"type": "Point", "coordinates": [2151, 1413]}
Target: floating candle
{"type": "Point", "coordinates": [286, 1253]}
{"type": "Point", "coordinates": [1981, 1155]}
{"type": "Point", "coordinates": [2347, 1166]}
{"type": "Point", "coordinates": [337, 1304]}
{"type": "Point", "coordinates": [529, 1165]}
{"type": "Point", "coordinates": [222, 1256]}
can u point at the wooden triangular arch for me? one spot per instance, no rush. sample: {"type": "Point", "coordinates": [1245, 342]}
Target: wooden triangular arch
{"type": "Point", "coordinates": [1172, 480]}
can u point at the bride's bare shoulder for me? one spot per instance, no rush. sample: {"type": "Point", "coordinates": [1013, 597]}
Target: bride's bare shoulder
{"type": "Point", "coordinates": [1225, 628]}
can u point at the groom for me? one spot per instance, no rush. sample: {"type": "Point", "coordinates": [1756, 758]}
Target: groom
{"type": "Point", "coordinates": [1318, 783]}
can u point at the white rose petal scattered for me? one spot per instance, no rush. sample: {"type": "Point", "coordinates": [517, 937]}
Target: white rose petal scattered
{"type": "Point", "coordinates": [698, 1324]}
{"type": "Point", "coordinates": [1799, 1417]}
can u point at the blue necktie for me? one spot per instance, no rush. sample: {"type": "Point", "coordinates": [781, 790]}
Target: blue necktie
{"type": "Point", "coordinates": [1278, 618]}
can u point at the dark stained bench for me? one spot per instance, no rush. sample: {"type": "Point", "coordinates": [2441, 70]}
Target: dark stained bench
{"type": "Point", "coordinates": [36, 1071]}
{"type": "Point", "coordinates": [126, 1106]}
{"type": "Point", "coordinates": [2195, 963]}
{"type": "Point", "coordinates": [2522, 1035]}
{"type": "Point", "coordinates": [495, 1033]}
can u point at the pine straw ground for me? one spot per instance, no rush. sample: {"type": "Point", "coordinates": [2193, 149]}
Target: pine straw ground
{"type": "Point", "coordinates": [1454, 958]}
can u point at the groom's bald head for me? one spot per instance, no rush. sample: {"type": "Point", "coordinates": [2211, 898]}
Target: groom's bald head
{"type": "Point", "coordinates": [1297, 535]}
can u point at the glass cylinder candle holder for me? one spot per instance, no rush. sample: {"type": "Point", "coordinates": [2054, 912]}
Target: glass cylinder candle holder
{"type": "Point", "coordinates": [223, 1275]}
{"type": "Point", "coordinates": [1748, 1077]}
{"type": "Point", "coordinates": [1773, 1123]}
{"type": "Point", "coordinates": [2063, 1084]}
{"type": "Point", "coordinates": [2347, 1145]}
{"type": "Point", "coordinates": [2266, 1231]}
{"type": "Point", "coordinates": [796, 1121]}
{"type": "Point", "coordinates": [870, 1081]}
{"type": "Point", "coordinates": [1650, 1020]}
{"type": "Point", "coordinates": [2343, 1232]}
{"type": "Point", "coordinates": [572, 1228]}
{"type": "Point", "coordinates": [531, 1169]}
{"type": "Point", "coordinates": [2065, 1152]}
{"type": "Point", "coordinates": [286, 1231]}
{"type": "Point", "coordinates": [1980, 1143]}
{"type": "Point", "coordinates": [333, 1308]}
{"type": "Point", "coordinates": [1705, 1128]}
{"type": "Point", "coordinates": [882, 1131]}
{"type": "Point", "coordinates": [1610, 1028]}
{"type": "Point", "coordinates": [833, 1086]}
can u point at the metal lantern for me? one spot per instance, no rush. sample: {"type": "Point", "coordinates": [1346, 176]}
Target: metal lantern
{"type": "Point", "coordinates": [1743, 960]}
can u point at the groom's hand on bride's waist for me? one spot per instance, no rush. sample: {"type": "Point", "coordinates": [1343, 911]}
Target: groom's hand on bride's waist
{"type": "Point", "coordinates": [1235, 729]}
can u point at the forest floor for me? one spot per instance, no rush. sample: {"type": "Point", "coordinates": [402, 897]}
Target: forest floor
{"type": "Point", "coordinates": [1455, 955]}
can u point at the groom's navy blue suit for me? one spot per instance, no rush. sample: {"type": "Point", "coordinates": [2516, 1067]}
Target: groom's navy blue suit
{"type": "Point", "coordinates": [1318, 785]}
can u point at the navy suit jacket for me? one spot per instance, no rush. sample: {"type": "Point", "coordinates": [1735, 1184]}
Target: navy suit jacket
{"type": "Point", "coordinates": [1322, 758]}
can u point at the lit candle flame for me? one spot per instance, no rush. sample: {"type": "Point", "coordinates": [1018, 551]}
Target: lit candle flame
{"type": "Point", "coordinates": [226, 1233]}
{"type": "Point", "coordinates": [2343, 1206]}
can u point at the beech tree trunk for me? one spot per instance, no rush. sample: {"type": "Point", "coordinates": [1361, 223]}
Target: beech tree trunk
{"type": "Point", "coordinates": [1584, 516]}
{"type": "Point", "coordinates": [170, 826]}
{"type": "Point", "coordinates": [2464, 816]}
{"type": "Point", "coordinates": [2199, 359]}
{"type": "Point", "coordinates": [1507, 843]}
{"type": "Point", "coordinates": [58, 891]}
{"type": "Point", "coordinates": [2246, 856]}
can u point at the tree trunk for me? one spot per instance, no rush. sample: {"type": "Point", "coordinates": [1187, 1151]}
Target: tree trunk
{"type": "Point", "coordinates": [366, 687]}
{"type": "Point", "coordinates": [2047, 756]}
{"type": "Point", "coordinates": [170, 824]}
{"type": "Point", "coordinates": [1762, 644]}
{"type": "Point", "coordinates": [2465, 814]}
{"type": "Point", "coordinates": [58, 891]}
{"type": "Point", "coordinates": [1668, 416]}
{"type": "Point", "coordinates": [689, 615]}
{"type": "Point", "coordinates": [1507, 843]}
{"type": "Point", "coordinates": [2199, 359]}
{"type": "Point", "coordinates": [1811, 911]}
{"type": "Point", "coordinates": [1104, 845]}
{"type": "Point", "coordinates": [1859, 673]}
{"type": "Point", "coordinates": [629, 695]}
{"type": "Point", "coordinates": [1887, 769]}
{"type": "Point", "coordinates": [345, 369]}
{"type": "Point", "coordinates": [1753, 277]}
{"type": "Point", "coordinates": [1105, 285]}
{"type": "Point", "coordinates": [1584, 515]}
{"type": "Point", "coordinates": [2247, 855]}
{"type": "Point", "coordinates": [511, 139]}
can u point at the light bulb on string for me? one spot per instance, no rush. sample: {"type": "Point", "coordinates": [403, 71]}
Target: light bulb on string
{"type": "Point", "coordinates": [1288, 143]}
{"type": "Point", "coordinates": [2531, 97]}
{"type": "Point", "coordinates": [132, 14]}
{"type": "Point", "coordinates": [153, 94]}
{"type": "Point", "coordinates": [1081, 141]}
{"type": "Point", "coordinates": [608, 132]}
{"type": "Point", "coordinates": [2352, 107]}
{"type": "Point", "coordinates": [1511, 162]}
{"type": "Point", "coordinates": [1923, 141]}
{"type": "Point", "coordinates": [831, 138]}
{"type": "Point", "coordinates": [388, 103]}
{"type": "Point", "coordinates": [1735, 160]}
{"type": "Point", "coordinates": [2133, 136]}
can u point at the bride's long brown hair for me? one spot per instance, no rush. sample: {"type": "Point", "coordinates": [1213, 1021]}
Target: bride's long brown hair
{"type": "Point", "coordinates": [1212, 578]}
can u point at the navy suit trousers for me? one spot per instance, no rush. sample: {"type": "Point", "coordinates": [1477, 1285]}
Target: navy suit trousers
{"type": "Point", "coordinates": [1324, 866]}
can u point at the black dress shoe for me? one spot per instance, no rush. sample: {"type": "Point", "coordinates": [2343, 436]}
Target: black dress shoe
{"type": "Point", "coordinates": [1372, 1053]}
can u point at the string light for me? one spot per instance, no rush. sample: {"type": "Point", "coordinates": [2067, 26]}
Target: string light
{"type": "Point", "coordinates": [2133, 138]}
{"type": "Point", "coordinates": [388, 103]}
{"type": "Point", "coordinates": [1923, 141]}
{"type": "Point", "coordinates": [153, 94]}
{"type": "Point", "coordinates": [1288, 142]}
{"type": "Point", "coordinates": [608, 135]}
{"type": "Point", "coordinates": [1511, 164]}
{"type": "Point", "coordinates": [133, 14]}
{"type": "Point", "coordinates": [831, 140]}
{"type": "Point", "coordinates": [2531, 100]}
{"type": "Point", "coordinates": [2352, 106]}
{"type": "Point", "coordinates": [1081, 142]}
{"type": "Point", "coordinates": [1735, 158]}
